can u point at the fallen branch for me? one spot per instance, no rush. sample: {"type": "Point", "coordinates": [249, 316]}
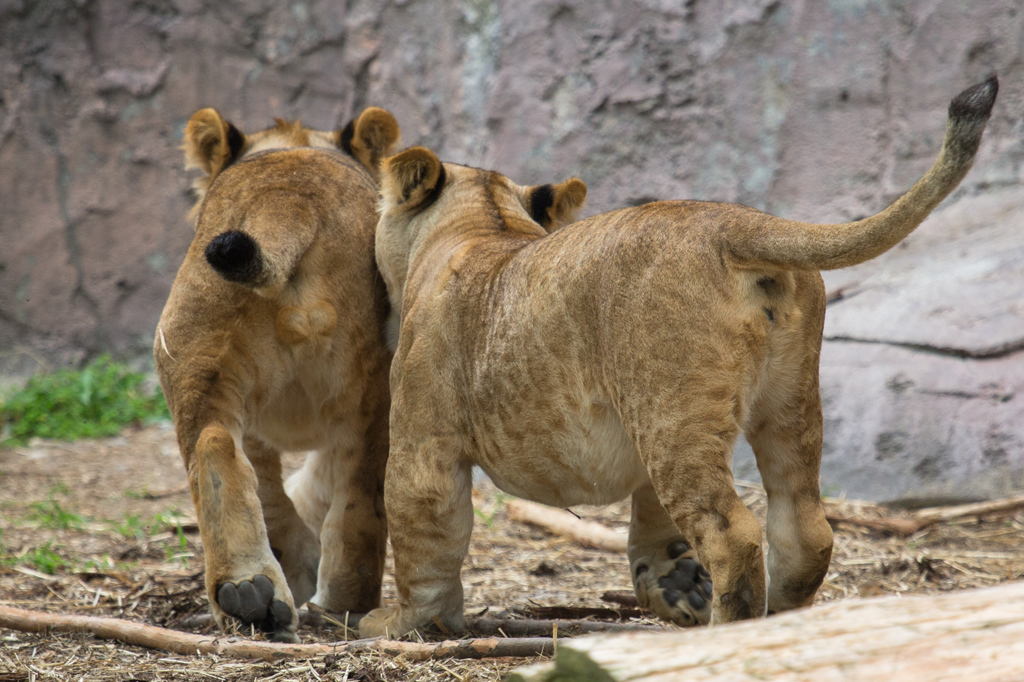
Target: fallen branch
{"type": "Point", "coordinates": [478, 627]}
{"type": "Point", "coordinates": [936, 514]}
{"type": "Point", "coordinates": [183, 643]}
{"type": "Point", "coordinates": [930, 516]}
{"type": "Point", "coordinates": [560, 522]}
{"type": "Point", "coordinates": [520, 627]}
{"type": "Point", "coordinates": [887, 525]}
{"type": "Point", "coordinates": [577, 612]}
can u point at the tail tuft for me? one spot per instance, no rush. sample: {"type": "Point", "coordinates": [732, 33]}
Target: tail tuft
{"type": "Point", "coordinates": [975, 103]}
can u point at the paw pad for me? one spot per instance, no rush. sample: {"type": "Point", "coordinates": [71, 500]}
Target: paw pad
{"type": "Point", "coordinates": [252, 602]}
{"type": "Point", "coordinates": [674, 585]}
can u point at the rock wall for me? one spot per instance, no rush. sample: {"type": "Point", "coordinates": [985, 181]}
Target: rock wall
{"type": "Point", "coordinates": [813, 110]}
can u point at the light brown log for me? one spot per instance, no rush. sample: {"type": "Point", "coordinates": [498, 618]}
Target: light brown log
{"type": "Point", "coordinates": [187, 644]}
{"type": "Point", "coordinates": [975, 635]}
{"type": "Point", "coordinates": [561, 522]}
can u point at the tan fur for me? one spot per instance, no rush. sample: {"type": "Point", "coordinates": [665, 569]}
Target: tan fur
{"type": "Point", "coordinates": [620, 355]}
{"type": "Point", "coordinates": [287, 355]}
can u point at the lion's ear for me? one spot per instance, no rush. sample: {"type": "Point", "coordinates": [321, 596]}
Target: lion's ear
{"type": "Point", "coordinates": [370, 137]}
{"type": "Point", "coordinates": [211, 143]}
{"type": "Point", "coordinates": [554, 206]}
{"type": "Point", "coordinates": [413, 178]}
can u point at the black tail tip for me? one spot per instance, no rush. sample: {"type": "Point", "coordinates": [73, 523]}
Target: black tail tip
{"type": "Point", "coordinates": [236, 256]}
{"type": "Point", "coordinates": [976, 101]}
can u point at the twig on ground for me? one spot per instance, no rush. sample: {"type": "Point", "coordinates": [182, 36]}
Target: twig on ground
{"type": "Point", "coordinates": [485, 627]}
{"type": "Point", "coordinates": [184, 643]}
{"type": "Point", "coordinates": [923, 518]}
{"type": "Point", "coordinates": [561, 522]}
{"type": "Point", "coordinates": [887, 525]}
{"type": "Point", "coordinates": [576, 612]}
{"type": "Point", "coordinates": [627, 599]}
{"type": "Point", "coordinates": [936, 514]}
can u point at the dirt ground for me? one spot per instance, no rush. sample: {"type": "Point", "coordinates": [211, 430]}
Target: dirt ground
{"type": "Point", "coordinates": [107, 528]}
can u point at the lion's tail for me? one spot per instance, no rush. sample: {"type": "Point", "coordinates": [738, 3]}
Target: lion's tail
{"type": "Point", "coordinates": [774, 242]}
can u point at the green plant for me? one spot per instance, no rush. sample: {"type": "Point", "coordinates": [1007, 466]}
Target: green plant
{"type": "Point", "coordinates": [137, 494]}
{"type": "Point", "coordinates": [50, 514]}
{"type": "Point", "coordinates": [488, 518]}
{"type": "Point", "coordinates": [95, 401]}
{"type": "Point", "coordinates": [44, 559]}
{"type": "Point", "coordinates": [131, 527]}
{"type": "Point", "coordinates": [99, 564]}
{"type": "Point", "coordinates": [182, 540]}
{"type": "Point", "coordinates": [165, 520]}
{"type": "Point", "coordinates": [180, 553]}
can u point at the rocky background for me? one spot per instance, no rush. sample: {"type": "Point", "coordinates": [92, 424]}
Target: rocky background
{"type": "Point", "coordinates": [812, 110]}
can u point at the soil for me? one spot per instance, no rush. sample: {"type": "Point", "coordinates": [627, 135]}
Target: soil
{"type": "Point", "coordinates": [107, 528]}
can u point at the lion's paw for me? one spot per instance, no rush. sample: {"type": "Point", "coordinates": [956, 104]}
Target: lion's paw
{"type": "Point", "coordinates": [382, 622]}
{"type": "Point", "coordinates": [674, 585]}
{"type": "Point", "coordinates": [252, 602]}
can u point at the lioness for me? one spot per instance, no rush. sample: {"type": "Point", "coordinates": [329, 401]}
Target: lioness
{"type": "Point", "coordinates": [618, 355]}
{"type": "Point", "coordinates": [272, 339]}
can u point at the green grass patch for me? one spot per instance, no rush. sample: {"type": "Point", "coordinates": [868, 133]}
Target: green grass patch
{"type": "Point", "coordinates": [131, 528]}
{"type": "Point", "coordinates": [93, 402]}
{"type": "Point", "coordinates": [137, 494]}
{"type": "Point", "coordinates": [43, 559]}
{"type": "Point", "coordinates": [488, 517]}
{"type": "Point", "coordinates": [50, 514]}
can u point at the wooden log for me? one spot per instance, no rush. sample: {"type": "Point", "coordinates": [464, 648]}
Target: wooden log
{"type": "Point", "coordinates": [975, 635]}
{"type": "Point", "coordinates": [561, 522]}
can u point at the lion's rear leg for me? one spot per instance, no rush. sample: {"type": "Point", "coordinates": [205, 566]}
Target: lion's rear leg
{"type": "Point", "coordinates": [788, 450]}
{"type": "Point", "coordinates": [340, 492]}
{"type": "Point", "coordinates": [687, 450]}
{"type": "Point", "coordinates": [292, 543]}
{"type": "Point", "coordinates": [243, 579]}
{"type": "Point", "coordinates": [430, 515]}
{"type": "Point", "coordinates": [667, 576]}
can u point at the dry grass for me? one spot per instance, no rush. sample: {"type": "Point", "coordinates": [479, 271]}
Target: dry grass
{"type": "Point", "coordinates": [79, 500]}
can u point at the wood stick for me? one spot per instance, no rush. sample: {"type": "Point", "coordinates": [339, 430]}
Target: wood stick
{"type": "Point", "coordinates": [975, 635]}
{"type": "Point", "coordinates": [186, 644]}
{"type": "Point", "coordinates": [889, 525]}
{"type": "Point", "coordinates": [929, 516]}
{"type": "Point", "coordinates": [935, 514]}
{"type": "Point", "coordinates": [622, 598]}
{"type": "Point", "coordinates": [519, 627]}
{"type": "Point", "coordinates": [578, 612]}
{"type": "Point", "coordinates": [507, 627]}
{"type": "Point", "coordinates": [561, 522]}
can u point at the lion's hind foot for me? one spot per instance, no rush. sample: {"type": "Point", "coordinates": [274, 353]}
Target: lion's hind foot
{"type": "Point", "coordinates": [252, 602]}
{"type": "Point", "coordinates": [674, 585]}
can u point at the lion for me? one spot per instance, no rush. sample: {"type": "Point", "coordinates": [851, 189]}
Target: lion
{"type": "Point", "coordinates": [273, 338]}
{"type": "Point", "coordinates": [618, 355]}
